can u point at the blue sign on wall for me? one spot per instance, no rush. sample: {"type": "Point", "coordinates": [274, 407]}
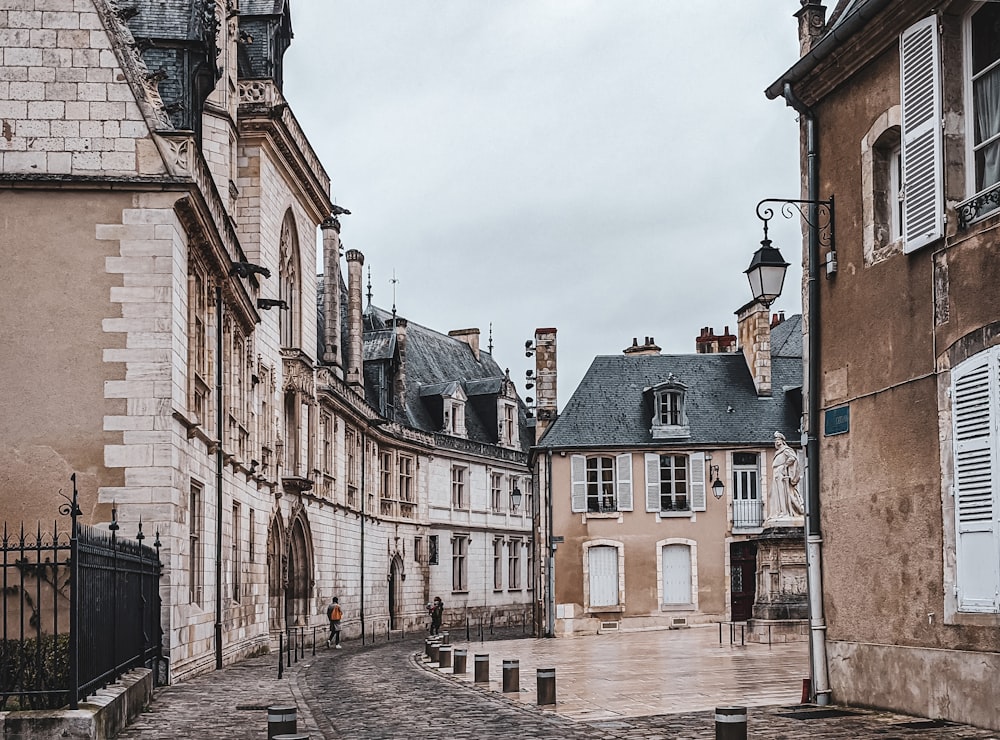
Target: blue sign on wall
{"type": "Point", "coordinates": [837, 421]}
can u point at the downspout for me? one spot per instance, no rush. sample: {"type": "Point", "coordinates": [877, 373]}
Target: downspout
{"type": "Point", "coordinates": [219, 464]}
{"type": "Point", "coordinates": [364, 493]}
{"type": "Point", "coordinates": [814, 539]}
{"type": "Point", "coordinates": [550, 574]}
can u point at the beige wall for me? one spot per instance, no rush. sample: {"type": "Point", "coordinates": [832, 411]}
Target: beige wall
{"type": "Point", "coordinates": [55, 295]}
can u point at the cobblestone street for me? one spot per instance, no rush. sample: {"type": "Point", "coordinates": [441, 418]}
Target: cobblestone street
{"type": "Point", "coordinates": [388, 691]}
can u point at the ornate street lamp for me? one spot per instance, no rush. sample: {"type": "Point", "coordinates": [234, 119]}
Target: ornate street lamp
{"type": "Point", "coordinates": [766, 272]}
{"type": "Point", "coordinates": [515, 498]}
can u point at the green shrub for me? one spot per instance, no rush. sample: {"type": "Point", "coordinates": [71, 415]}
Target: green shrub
{"type": "Point", "coordinates": [34, 665]}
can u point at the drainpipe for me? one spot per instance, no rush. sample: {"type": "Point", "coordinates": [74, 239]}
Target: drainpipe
{"type": "Point", "coordinates": [550, 608]}
{"type": "Point", "coordinates": [814, 539]}
{"type": "Point", "coordinates": [219, 463]}
{"type": "Point", "coordinates": [364, 493]}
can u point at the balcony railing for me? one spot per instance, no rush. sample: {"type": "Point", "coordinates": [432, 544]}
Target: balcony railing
{"type": "Point", "coordinates": [748, 513]}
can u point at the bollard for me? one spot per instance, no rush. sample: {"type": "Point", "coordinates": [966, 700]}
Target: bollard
{"type": "Point", "coordinates": [281, 720]}
{"type": "Point", "coordinates": [445, 638]}
{"type": "Point", "coordinates": [290, 737]}
{"type": "Point", "coordinates": [460, 658]}
{"type": "Point", "coordinates": [481, 668]}
{"type": "Point", "coordinates": [281, 654]}
{"type": "Point", "coordinates": [730, 723]}
{"type": "Point", "coordinates": [427, 646]}
{"type": "Point", "coordinates": [546, 681]}
{"type": "Point", "coordinates": [511, 677]}
{"type": "Point", "coordinates": [435, 649]}
{"type": "Point", "coordinates": [444, 656]}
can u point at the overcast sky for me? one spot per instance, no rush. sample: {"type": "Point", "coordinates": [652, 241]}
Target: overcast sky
{"type": "Point", "coordinates": [589, 165]}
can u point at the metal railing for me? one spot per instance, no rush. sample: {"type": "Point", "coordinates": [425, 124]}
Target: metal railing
{"type": "Point", "coordinates": [80, 609]}
{"type": "Point", "coordinates": [748, 513]}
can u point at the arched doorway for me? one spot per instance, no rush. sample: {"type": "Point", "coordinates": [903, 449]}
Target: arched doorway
{"type": "Point", "coordinates": [396, 576]}
{"type": "Point", "coordinates": [300, 581]}
{"type": "Point", "coordinates": [275, 575]}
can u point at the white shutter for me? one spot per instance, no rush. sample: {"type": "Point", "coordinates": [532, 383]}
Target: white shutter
{"type": "Point", "coordinates": [624, 465]}
{"type": "Point", "coordinates": [652, 482]}
{"type": "Point", "coordinates": [578, 472]}
{"type": "Point", "coordinates": [603, 562]}
{"type": "Point", "coordinates": [697, 461]}
{"type": "Point", "coordinates": [923, 199]}
{"type": "Point", "coordinates": [676, 574]}
{"type": "Point", "coordinates": [977, 553]}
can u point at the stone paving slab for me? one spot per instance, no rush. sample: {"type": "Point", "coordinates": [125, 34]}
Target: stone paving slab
{"type": "Point", "coordinates": [389, 691]}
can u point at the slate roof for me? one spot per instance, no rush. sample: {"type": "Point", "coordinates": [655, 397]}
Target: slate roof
{"type": "Point", "coordinates": [262, 7]}
{"type": "Point", "coordinates": [610, 408]}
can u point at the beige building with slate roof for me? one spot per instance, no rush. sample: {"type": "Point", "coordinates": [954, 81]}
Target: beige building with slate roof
{"type": "Point", "coordinates": [159, 207]}
{"type": "Point", "coordinates": [655, 479]}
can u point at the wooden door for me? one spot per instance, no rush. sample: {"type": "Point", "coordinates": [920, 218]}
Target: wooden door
{"type": "Point", "coordinates": [743, 579]}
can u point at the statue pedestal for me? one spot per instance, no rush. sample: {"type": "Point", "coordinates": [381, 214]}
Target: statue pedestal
{"type": "Point", "coordinates": [781, 604]}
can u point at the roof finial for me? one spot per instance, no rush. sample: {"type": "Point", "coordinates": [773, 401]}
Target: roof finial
{"type": "Point", "coordinates": [369, 285]}
{"type": "Point", "coordinates": [394, 281]}
{"type": "Point", "coordinates": [489, 346]}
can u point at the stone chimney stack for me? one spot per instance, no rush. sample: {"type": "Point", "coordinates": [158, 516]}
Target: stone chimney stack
{"type": "Point", "coordinates": [647, 348]}
{"type": "Point", "coordinates": [812, 23]}
{"type": "Point", "coordinates": [470, 337]}
{"type": "Point", "coordinates": [331, 295]}
{"type": "Point", "coordinates": [755, 340]}
{"type": "Point", "coordinates": [546, 396]}
{"type": "Point", "coordinates": [355, 328]}
{"type": "Point", "coordinates": [399, 380]}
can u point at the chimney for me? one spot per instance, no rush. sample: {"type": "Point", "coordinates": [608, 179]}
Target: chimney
{"type": "Point", "coordinates": [546, 397]}
{"type": "Point", "coordinates": [648, 348]}
{"type": "Point", "coordinates": [355, 328]}
{"type": "Point", "coordinates": [812, 24]}
{"type": "Point", "coordinates": [331, 295]}
{"type": "Point", "coordinates": [399, 380]}
{"type": "Point", "coordinates": [470, 337]}
{"type": "Point", "coordinates": [755, 340]}
{"type": "Point", "coordinates": [708, 342]}
{"type": "Point", "coordinates": [777, 318]}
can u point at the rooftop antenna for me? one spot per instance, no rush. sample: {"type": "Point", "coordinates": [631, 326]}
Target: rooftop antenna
{"type": "Point", "coordinates": [369, 285]}
{"type": "Point", "coordinates": [489, 347]}
{"type": "Point", "coordinates": [394, 281]}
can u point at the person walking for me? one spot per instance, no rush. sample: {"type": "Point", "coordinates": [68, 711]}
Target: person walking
{"type": "Point", "coordinates": [437, 614]}
{"type": "Point", "coordinates": [334, 613]}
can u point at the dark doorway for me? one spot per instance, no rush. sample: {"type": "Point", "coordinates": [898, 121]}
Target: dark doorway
{"type": "Point", "coordinates": [743, 578]}
{"type": "Point", "coordinates": [395, 588]}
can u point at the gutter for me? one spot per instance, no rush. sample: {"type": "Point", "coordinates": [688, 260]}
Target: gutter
{"type": "Point", "coordinates": [840, 33]}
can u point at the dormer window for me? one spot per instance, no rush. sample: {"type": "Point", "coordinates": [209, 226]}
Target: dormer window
{"type": "Point", "coordinates": [454, 417]}
{"type": "Point", "coordinates": [507, 424]}
{"type": "Point", "coordinates": [669, 415]}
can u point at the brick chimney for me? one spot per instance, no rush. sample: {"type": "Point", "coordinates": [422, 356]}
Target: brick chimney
{"type": "Point", "coordinates": [755, 340]}
{"type": "Point", "coordinates": [777, 318]}
{"type": "Point", "coordinates": [648, 348]}
{"type": "Point", "coordinates": [355, 328]}
{"type": "Point", "coordinates": [812, 24]}
{"type": "Point", "coordinates": [470, 337]}
{"type": "Point", "coordinates": [708, 342]}
{"type": "Point", "coordinates": [546, 397]}
{"type": "Point", "coordinates": [331, 295]}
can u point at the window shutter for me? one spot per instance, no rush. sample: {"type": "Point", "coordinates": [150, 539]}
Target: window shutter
{"type": "Point", "coordinates": [652, 482]}
{"type": "Point", "coordinates": [676, 574]}
{"type": "Point", "coordinates": [578, 472]}
{"type": "Point", "coordinates": [697, 461]}
{"type": "Point", "coordinates": [603, 575]}
{"type": "Point", "coordinates": [624, 465]}
{"type": "Point", "coordinates": [923, 199]}
{"type": "Point", "coordinates": [977, 554]}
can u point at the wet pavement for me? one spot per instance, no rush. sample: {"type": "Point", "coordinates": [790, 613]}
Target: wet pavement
{"type": "Point", "coordinates": [649, 685]}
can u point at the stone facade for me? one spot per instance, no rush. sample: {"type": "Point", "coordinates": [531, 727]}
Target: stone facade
{"type": "Point", "coordinates": [167, 349]}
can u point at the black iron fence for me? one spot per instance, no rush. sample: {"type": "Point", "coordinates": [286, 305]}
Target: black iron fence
{"type": "Point", "coordinates": [80, 609]}
{"type": "Point", "coordinates": [748, 513]}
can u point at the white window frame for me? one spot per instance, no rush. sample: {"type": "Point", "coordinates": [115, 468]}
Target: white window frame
{"type": "Point", "coordinates": [617, 489]}
{"type": "Point", "coordinates": [498, 563]}
{"type": "Point", "coordinates": [695, 472]}
{"type": "Point", "coordinates": [747, 494]}
{"type": "Point", "coordinates": [459, 487]}
{"type": "Point", "coordinates": [496, 492]}
{"type": "Point", "coordinates": [460, 563]}
{"type": "Point", "coordinates": [620, 547]}
{"type": "Point", "coordinates": [692, 546]}
{"type": "Point", "coordinates": [514, 564]}
{"type": "Point", "coordinates": [972, 187]}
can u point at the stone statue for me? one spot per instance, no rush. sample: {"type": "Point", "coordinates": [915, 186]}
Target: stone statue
{"type": "Point", "coordinates": [786, 501]}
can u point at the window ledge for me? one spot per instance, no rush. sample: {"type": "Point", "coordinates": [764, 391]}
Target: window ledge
{"type": "Point", "coordinates": [670, 432]}
{"type": "Point", "coordinates": [676, 514]}
{"type": "Point", "coordinates": [603, 515]}
{"type": "Point", "coordinates": [616, 609]}
{"type": "Point", "coordinates": [678, 608]}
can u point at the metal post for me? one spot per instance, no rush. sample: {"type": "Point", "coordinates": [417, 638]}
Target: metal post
{"type": "Point", "coordinates": [460, 660]}
{"type": "Point", "coordinates": [511, 677]}
{"type": "Point", "coordinates": [434, 651]}
{"type": "Point", "coordinates": [546, 684]}
{"type": "Point", "coordinates": [467, 628]}
{"type": "Point", "coordinates": [74, 598]}
{"type": "Point", "coordinates": [481, 667]}
{"type": "Point", "coordinates": [281, 654]}
{"type": "Point", "coordinates": [281, 720]}
{"type": "Point", "coordinates": [444, 656]}
{"type": "Point", "coordinates": [730, 723]}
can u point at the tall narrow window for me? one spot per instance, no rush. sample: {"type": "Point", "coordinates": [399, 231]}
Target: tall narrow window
{"type": "Point", "coordinates": [497, 563]}
{"type": "Point", "coordinates": [496, 491]}
{"type": "Point", "coordinates": [459, 500]}
{"type": "Point", "coordinates": [288, 283]}
{"type": "Point", "coordinates": [199, 305]}
{"type": "Point", "coordinates": [195, 554]}
{"type": "Point", "coordinates": [748, 509]}
{"type": "Point", "coordinates": [460, 563]}
{"type": "Point", "coordinates": [984, 82]}
{"type": "Point", "coordinates": [432, 550]}
{"type": "Point", "coordinates": [514, 565]}
{"type": "Point", "coordinates": [251, 539]}
{"type": "Point", "coordinates": [601, 484]}
{"type": "Point", "coordinates": [676, 574]}
{"type": "Point", "coordinates": [674, 483]}
{"type": "Point", "coordinates": [351, 444]}
{"type": "Point", "coordinates": [235, 556]}
{"type": "Point", "coordinates": [602, 561]}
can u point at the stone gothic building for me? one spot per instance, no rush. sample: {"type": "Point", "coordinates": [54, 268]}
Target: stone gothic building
{"type": "Point", "coordinates": [159, 205]}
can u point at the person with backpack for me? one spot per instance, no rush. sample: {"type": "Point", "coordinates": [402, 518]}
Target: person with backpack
{"type": "Point", "coordinates": [334, 613]}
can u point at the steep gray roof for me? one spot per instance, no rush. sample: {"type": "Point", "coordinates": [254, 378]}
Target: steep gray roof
{"type": "Point", "coordinates": [610, 408]}
{"type": "Point", "coordinates": [786, 338]}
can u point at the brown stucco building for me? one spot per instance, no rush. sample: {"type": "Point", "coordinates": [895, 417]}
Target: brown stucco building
{"type": "Point", "coordinates": [899, 104]}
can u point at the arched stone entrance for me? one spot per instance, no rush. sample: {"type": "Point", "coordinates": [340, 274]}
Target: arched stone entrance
{"type": "Point", "coordinates": [276, 574]}
{"type": "Point", "coordinates": [396, 577]}
{"type": "Point", "coordinates": [300, 582]}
